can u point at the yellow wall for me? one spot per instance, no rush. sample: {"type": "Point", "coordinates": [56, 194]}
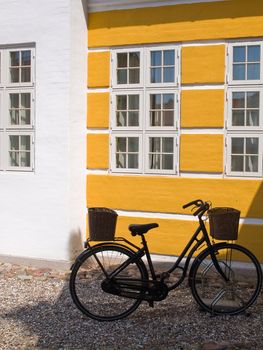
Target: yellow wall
{"type": "Point", "coordinates": [166, 194]}
{"type": "Point", "coordinates": [203, 64]}
{"type": "Point", "coordinates": [97, 151]}
{"type": "Point", "coordinates": [186, 22]}
{"type": "Point", "coordinates": [201, 153]}
{"type": "Point", "coordinates": [98, 110]}
{"type": "Point", "coordinates": [99, 69]}
{"type": "Point", "coordinates": [202, 108]}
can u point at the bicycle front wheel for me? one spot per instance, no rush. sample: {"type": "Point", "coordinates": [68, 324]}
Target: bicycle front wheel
{"type": "Point", "coordinates": [234, 295]}
{"type": "Point", "coordinates": [86, 280]}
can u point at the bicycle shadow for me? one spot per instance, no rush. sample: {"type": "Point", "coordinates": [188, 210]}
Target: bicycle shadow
{"type": "Point", "coordinates": [59, 325]}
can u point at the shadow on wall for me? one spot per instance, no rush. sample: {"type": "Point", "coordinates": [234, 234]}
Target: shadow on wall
{"type": "Point", "coordinates": [251, 235]}
{"type": "Point", "coordinates": [75, 244]}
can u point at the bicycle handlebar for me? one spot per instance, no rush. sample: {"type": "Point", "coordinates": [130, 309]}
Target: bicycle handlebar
{"type": "Point", "coordinates": [202, 206]}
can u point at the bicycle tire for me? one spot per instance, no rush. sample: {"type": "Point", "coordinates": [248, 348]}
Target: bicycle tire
{"type": "Point", "coordinates": [86, 278]}
{"type": "Point", "coordinates": [212, 292]}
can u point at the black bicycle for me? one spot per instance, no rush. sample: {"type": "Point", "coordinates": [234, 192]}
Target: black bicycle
{"type": "Point", "coordinates": [110, 280]}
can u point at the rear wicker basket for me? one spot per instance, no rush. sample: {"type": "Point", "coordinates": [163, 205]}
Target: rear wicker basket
{"type": "Point", "coordinates": [224, 223]}
{"type": "Point", "coordinates": [102, 224]}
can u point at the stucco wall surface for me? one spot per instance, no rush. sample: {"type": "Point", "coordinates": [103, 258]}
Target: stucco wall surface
{"type": "Point", "coordinates": [42, 211]}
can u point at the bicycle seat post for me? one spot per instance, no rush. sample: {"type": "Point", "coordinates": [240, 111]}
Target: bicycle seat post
{"type": "Point", "coordinates": [148, 256]}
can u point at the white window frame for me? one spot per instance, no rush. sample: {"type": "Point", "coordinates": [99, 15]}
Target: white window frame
{"type": "Point", "coordinates": [114, 94]}
{"type": "Point", "coordinates": [229, 137]}
{"type": "Point", "coordinates": [114, 168]}
{"type": "Point", "coordinates": [176, 110]}
{"type": "Point", "coordinates": [2, 109]}
{"type": "Point", "coordinates": [32, 109]}
{"type": "Point", "coordinates": [231, 46]}
{"type": "Point", "coordinates": [32, 153]}
{"type": "Point", "coordinates": [6, 61]}
{"type": "Point", "coordinates": [176, 66]}
{"type": "Point", "coordinates": [147, 169]}
{"type": "Point", "coordinates": [229, 108]}
{"type": "Point", "coordinates": [114, 82]}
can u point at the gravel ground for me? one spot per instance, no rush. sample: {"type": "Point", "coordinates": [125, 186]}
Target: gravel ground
{"type": "Point", "coordinates": [37, 313]}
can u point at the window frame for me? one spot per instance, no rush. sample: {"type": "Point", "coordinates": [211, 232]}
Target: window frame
{"type": "Point", "coordinates": [231, 46]}
{"type": "Point", "coordinates": [162, 48]}
{"type": "Point", "coordinates": [113, 167]}
{"type": "Point", "coordinates": [244, 173]}
{"type": "Point", "coordinates": [114, 81]}
{"type": "Point", "coordinates": [148, 105]}
{"type": "Point", "coordinates": [244, 128]}
{"type": "Point", "coordinates": [32, 151]}
{"type": "Point", "coordinates": [147, 169]}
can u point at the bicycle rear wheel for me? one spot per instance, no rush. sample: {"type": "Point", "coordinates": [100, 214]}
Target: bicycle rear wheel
{"type": "Point", "coordinates": [87, 276]}
{"type": "Point", "coordinates": [218, 296]}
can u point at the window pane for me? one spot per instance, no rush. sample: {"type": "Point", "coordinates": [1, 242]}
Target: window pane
{"type": "Point", "coordinates": [253, 99]}
{"type": "Point", "coordinates": [25, 143]}
{"type": "Point", "coordinates": [167, 161]}
{"type": "Point", "coordinates": [121, 119]}
{"type": "Point", "coordinates": [238, 118]}
{"type": "Point", "coordinates": [237, 163]}
{"type": "Point", "coordinates": [120, 160]}
{"type": "Point", "coordinates": [251, 163]}
{"type": "Point", "coordinates": [133, 119]}
{"type": "Point", "coordinates": [25, 75]}
{"type": "Point", "coordinates": [121, 144]}
{"type": "Point", "coordinates": [168, 101]}
{"type": "Point", "coordinates": [122, 59]}
{"type": "Point", "coordinates": [252, 118]}
{"type": "Point", "coordinates": [239, 54]}
{"type": "Point", "coordinates": [238, 100]}
{"type": "Point", "coordinates": [25, 117]}
{"type": "Point", "coordinates": [14, 117]}
{"type": "Point", "coordinates": [168, 118]}
{"type": "Point", "coordinates": [14, 75]}
{"type": "Point", "coordinates": [237, 145]}
{"type": "Point", "coordinates": [253, 54]}
{"type": "Point", "coordinates": [253, 71]}
{"type": "Point", "coordinates": [156, 75]}
{"type": "Point", "coordinates": [14, 142]}
{"type": "Point", "coordinates": [239, 72]}
{"type": "Point", "coordinates": [168, 57]}
{"type": "Point", "coordinates": [156, 58]}
{"type": "Point", "coordinates": [121, 102]}
{"type": "Point", "coordinates": [156, 118]}
{"type": "Point", "coordinates": [168, 145]}
{"type": "Point", "coordinates": [168, 75]}
{"type": "Point", "coordinates": [122, 76]}
{"type": "Point", "coordinates": [134, 76]}
{"type": "Point", "coordinates": [14, 100]}
{"type": "Point", "coordinates": [252, 145]}
{"type": "Point", "coordinates": [155, 101]}
{"type": "Point", "coordinates": [14, 58]}
{"type": "Point", "coordinates": [133, 161]}
{"type": "Point", "coordinates": [134, 59]}
{"type": "Point", "coordinates": [13, 158]}
{"type": "Point", "coordinates": [25, 100]}
{"type": "Point", "coordinates": [155, 161]}
{"type": "Point", "coordinates": [155, 144]}
{"type": "Point", "coordinates": [133, 144]}
{"type": "Point", "coordinates": [25, 159]}
{"type": "Point", "coordinates": [25, 58]}
{"type": "Point", "coordinates": [134, 102]}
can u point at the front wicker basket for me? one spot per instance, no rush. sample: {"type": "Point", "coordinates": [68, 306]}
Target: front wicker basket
{"type": "Point", "coordinates": [102, 224]}
{"type": "Point", "coordinates": [224, 223]}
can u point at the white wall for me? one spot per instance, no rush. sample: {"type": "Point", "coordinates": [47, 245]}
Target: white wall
{"type": "Point", "coordinates": [40, 211]}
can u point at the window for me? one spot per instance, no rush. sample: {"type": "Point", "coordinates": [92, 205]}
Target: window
{"type": "Point", "coordinates": [245, 111]}
{"type": "Point", "coordinates": [144, 110]}
{"type": "Point", "coordinates": [17, 109]}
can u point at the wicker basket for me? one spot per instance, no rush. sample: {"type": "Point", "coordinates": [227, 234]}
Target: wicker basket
{"type": "Point", "coordinates": [224, 223]}
{"type": "Point", "coordinates": [102, 224]}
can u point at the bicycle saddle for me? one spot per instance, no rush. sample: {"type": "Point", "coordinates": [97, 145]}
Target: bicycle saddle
{"type": "Point", "coordinates": [141, 229]}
